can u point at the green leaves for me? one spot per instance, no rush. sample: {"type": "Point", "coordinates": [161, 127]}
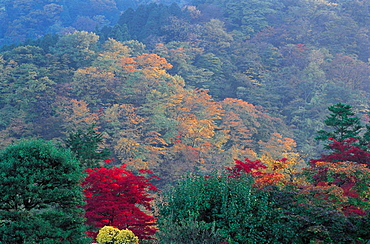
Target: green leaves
{"type": "Point", "coordinates": [77, 48]}
{"type": "Point", "coordinates": [221, 206]}
{"type": "Point", "coordinates": [40, 195]}
{"type": "Point", "coordinates": [86, 146]}
{"type": "Point", "coordinates": [343, 123]}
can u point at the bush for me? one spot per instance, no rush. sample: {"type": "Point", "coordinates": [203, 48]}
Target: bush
{"type": "Point", "coordinates": [111, 235]}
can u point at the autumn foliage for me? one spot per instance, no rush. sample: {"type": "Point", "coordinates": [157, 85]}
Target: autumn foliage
{"type": "Point", "coordinates": [345, 184]}
{"type": "Point", "coordinates": [257, 170]}
{"type": "Point", "coordinates": [186, 90]}
{"type": "Point", "coordinates": [116, 197]}
{"type": "Point", "coordinates": [346, 150]}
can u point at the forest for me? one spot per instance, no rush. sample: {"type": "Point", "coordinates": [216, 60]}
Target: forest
{"type": "Point", "coordinates": [213, 116]}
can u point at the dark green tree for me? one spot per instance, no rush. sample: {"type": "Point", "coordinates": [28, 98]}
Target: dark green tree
{"type": "Point", "coordinates": [85, 145]}
{"type": "Point", "coordinates": [343, 124]}
{"type": "Point", "coordinates": [40, 195]}
{"type": "Point", "coordinates": [365, 140]}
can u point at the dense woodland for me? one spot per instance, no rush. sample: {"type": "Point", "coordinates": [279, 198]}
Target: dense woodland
{"type": "Point", "coordinates": [187, 87]}
{"type": "Point", "coordinates": [176, 88]}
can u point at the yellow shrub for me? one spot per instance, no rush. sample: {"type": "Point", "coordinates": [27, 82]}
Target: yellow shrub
{"type": "Point", "coordinates": [126, 237]}
{"type": "Point", "coordinates": [112, 235]}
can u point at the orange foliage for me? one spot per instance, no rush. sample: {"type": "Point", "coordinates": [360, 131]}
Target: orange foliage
{"type": "Point", "coordinates": [234, 126]}
{"type": "Point", "coordinates": [151, 65]}
{"type": "Point", "coordinates": [196, 115]}
{"type": "Point", "coordinates": [240, 123]}
{"type": "Point", "coordinates": [78, 115]}
{"type": "Point", "coordinates": [287, 168]}
{"type": "Point", "coordinates": [278, 146]}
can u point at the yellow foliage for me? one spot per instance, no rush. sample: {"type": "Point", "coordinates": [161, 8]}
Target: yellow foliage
{"type": "Point", "coordinates": [107, 234]}
{"type": "Point", "coordinates": [139, 163]}
{"type": "Point", "coordinates": [79, 107]}
{"type": "Point", "coordinates": [239, 151]}
{"type": "Point", "coordinates": [111, 235]}
{"type": "Point", "coordinates": [154, 142]}
{"type": "Point", "coordinates": [117, 113]}
{"type": "Point", "coordinates": [279, 155]}
{"type": "Point", "coordinates": [126, 147]}
{"type": "Point", "coordinates": [114, 50]}
{"type": "Point", "coordinates": [279, 147]}
{"type": "Point", "coordinates": [126, 237]}
{"type": "Point", "coordinates": [154, 138]}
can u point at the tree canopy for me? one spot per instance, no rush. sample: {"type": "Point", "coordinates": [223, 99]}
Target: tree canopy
{"type": "Point", "coordinates": [41, 195]}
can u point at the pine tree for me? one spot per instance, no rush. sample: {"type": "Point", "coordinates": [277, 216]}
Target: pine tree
{"type": "Point", "coordinates": [40, 195]}
{"type": "Point", "coordinates": [345, 140]}
{"type": "Point", "coordinates": [365, 140]}
{"type": "Point", "coordinates": [343, 123]}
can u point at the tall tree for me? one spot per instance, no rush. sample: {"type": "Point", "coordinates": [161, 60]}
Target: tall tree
{"type": "Point", "coordinates": [40, 195]}
{"type": "Point", "coordinates": [343, 124]}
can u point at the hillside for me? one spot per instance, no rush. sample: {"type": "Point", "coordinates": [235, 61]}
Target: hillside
{"type": "Point", "coordinates": [177, 88]}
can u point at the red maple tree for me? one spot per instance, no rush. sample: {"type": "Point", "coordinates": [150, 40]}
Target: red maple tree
{"type": "Point", "coordinates": [117, 197]}
{"type": "Point", "coordinates": [256, 170]}
{"type": "Point", "coordinates": [346, 150]}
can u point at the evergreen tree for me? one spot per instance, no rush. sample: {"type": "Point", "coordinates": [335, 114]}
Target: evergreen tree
{"type": "Point", "coordinates": [85, 145]}
{"type": "Point", "coordinates": [40, 195]}
{"type": "Point", "coordinates": [344, 125]}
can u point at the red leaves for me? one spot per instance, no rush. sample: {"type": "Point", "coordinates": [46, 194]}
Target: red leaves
{"type": "Point", "coordinates": [248, 166]}
{"type": "Point", "coordinates": [301, 46]}
{"type": "Point", "coordinates": [341, 185]}
{"type": "Point", "coordinates": [150, 173]}
{"type": "Point", "coordinates": [255, 169]}
{"type": "Point", "coordinates": [116, 197]}
{"type": "Point", "coordinates": [346, 150]}
{"type": "Point", "coordinates": [345, 168]}
{"type": "Point", "coordinates": [109, 160]}
{"type": "Point", "coordinates": [348, 189]}
{"type": "Point", "coordinates": [350, 210]}
{"type": "Point", "coordinates": [351, 181]}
